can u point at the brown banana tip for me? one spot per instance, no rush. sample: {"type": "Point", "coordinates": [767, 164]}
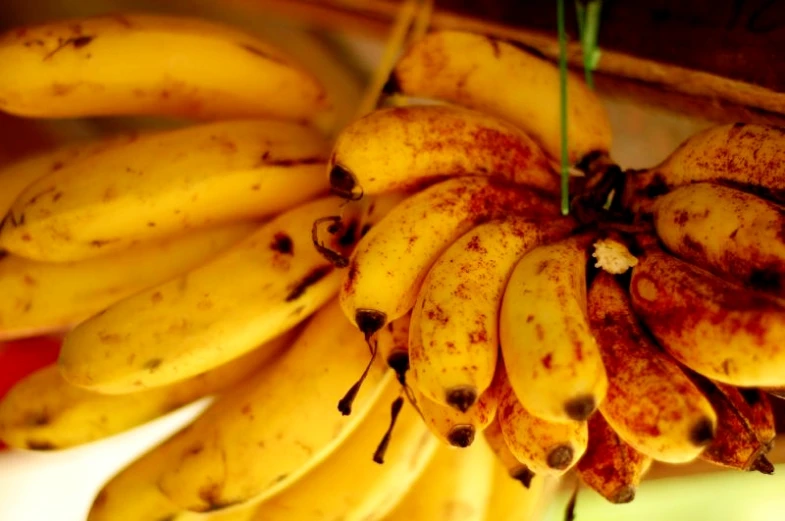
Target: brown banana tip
{"type": "Point", "coordinates": [344, 184]}
{"type": "Point", "coordinates": [522, 474]}
{"type": "Point", "coordinates": [461, 398]}
{"type": "Point", "coordinates": [398, 361]}
{"type": "Point", "coordinates": [624, 494]}
{"type": "Point", "coordinates": [369, 321]}
{"type": "Point", "coordinates": [561, 457]}
{"type": "Point", "coordinates": [580, 408]}
{"type": "Point", "coordinates": [461, 435]}
{"type": "Point", "coordinates": [763, 465]}
{"type": "Point", "coordinates": [702, 432]}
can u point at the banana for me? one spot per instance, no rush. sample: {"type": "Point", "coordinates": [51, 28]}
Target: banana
{"type": "Point", "coordinates": [163, 183]}
{"type": "Point", "coordinates": [248, 446]}
{"type": "Point", "coordinates": [731, 233]}
{"type": "Point", "coordinates": [406, 147]}
{"type": "Point", "coordinates": [40, 297]}
{"type": "Point", "coordinates": [651, 403]}
{"type": "Point", "coordinates": [546, 448]}
{"type": "Point", "coordinates": [241, 513]}
{"type": "Point", "coordinates": [610, 466]}
{"type": "Point", "coordinates": [515, 469]}
{"type": "Point", "coordinates": [43, 412]}
{"type": "Point", "coordinates": [453, 358]}
{"type": "Point", "coordinates": [755, 406]}
{"type": "Point", "coordinates": [717, 328]}
{"type": "Point", "coordinates": [456, 486]}
{"type": "Point", "coordinates": [552, 359]}
{"type": "Point", "coordinates": [512, 502]}
{"type": "Point", "coordinates": [135, 64]}
{"type": "Point", "coordinates": [255, 291]}
{"type": "Point", "coordinates": [743, 155]}
{"type": "Point", "coordinates": [504, 79]}
{"type": "Point", "coordinates": [388, 265]}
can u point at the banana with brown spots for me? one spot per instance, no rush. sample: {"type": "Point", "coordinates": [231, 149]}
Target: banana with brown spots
{"type": "Point", "coordinates": [494, 437]}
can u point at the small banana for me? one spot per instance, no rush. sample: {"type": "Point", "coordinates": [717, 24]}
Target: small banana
{"type": "Point", "coordinates": [253, 292]}
{"type": "Point", "coordinates": [731, 233]}
{"type": "Point", "coordinates": [717, 328]}
{"type": "Point", "coordinates": [453, 358]}
{"type": "Point", "coordinates": [406, 147]}
{"type": "Point", "coordinates": [43, 412]}
{"type": "Point", "coordinates": [388, 265]}
{"type": "Point", "coordinates": [165, 182]}
{"type": "Point", "coordinates": [512, 502]}
{"type": "Point", "coordinates": [552, 359]}
{"type": "Point", "coordinates": [754, 406]}
{"type": "Point", "coordinates": [651, 403]}
{"type": "Point", "coordinates": [743, 155]}
{"type": "Point", "coordinates": [181, 67]}
{"type": "Point", "coordinates": [507, 80]}
{"type": "Point", "coordinates": [610, 466]}
{"type": "Point", "coordinates": [40, 297]}
{"type": "Point", "coordinates": [515, 469]}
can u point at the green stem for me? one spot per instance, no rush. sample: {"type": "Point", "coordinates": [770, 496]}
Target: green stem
{"type": "Point", "coordinates": [565, 161]}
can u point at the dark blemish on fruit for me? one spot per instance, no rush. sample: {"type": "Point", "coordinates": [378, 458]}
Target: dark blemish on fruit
{"type": "Point", "coordinates": [196, 449]}
{"type": "Point", "coordinates": [702, 432]}
{"type": "Point", "coordinates": [561, 457]}
{"type": "Point", "coordinates": [3, 254]}
{"type": "Point", "coordinates": [461, 398]}
{"type": "Point", "coordinates": [37, 196]}
{"type": "Point", "coordinates": [314, 276]}
{"type": "Point", "coordinates": [261, 53]}
{"type": "Point", "coordinates": [99, 243]}
{"type": "Point", "coordinates": [40, 445]}
{"type": "Point", "coordinates": [395, 410]}
{"type": "Point", "coordinates": [283, 244]}
{"type": "Point", "coordinates": [77, 43]}
{"type": "Point", "coordinates": [344, 184]}
{"type": "Point", "coordinates": [81, 41]}
{"type": "Point", "coordinates": [751, 396]}
{"type": "Point", "coordinates": [37, 419]}
{"type": "Point", "coordinates": [580, 408]}
{"type": "Point", "coordinates": [494, 45]}
{"type": "Point", "coordinates": [57, 165]}
{"type": "Point", "coordinates": [151, 224]}
{"type": "Point", "coordinates": [546, 361]}
{"type": "Point", "coordinates": [256, 187]}
{"type": "Point", "coordinates": [296, 162]}
{"type": "Point", "coordinates": [156, 297]}
{"type": "Point", "coordinates": [56, 197]}
{"type": "Point", "coordinates": [152, 364]}
{"type": "Point", "coordinates": [766, 279]}
{"type": "Point", "coordinates": [681, 217]}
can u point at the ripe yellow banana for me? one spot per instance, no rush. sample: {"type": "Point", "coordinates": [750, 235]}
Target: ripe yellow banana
{"type": "Point", "coordinates": [516, 470]}
{"type": "Point", "coordinates": [507, 80]}
{"type": "Point", "coordinates": [43, 412]}
{"type": "Point", "coordinates": [151, 64]}
{"type": "Point", "coordinates": [551, 357]}
{"type": "Point", "coordinates": [546, 448]}
{"type": "Point", "coordinates": [240, 513]}
{"type": "Point", "coordinates": [265, 435]}
{"type": "Point", "coordinates": [258, 289]}
{"type": "Point", "coordinates": [41, 297]}
{"type": "Point", "coordinates": [734, 234]}
{"type": "Point", "coordinates": [456, 486]}
{"type": "Point", "coordinates": [747, 156]}
{"type": "Point", "coordinates": [406, 147]}
{"type": "Point", "coordinates": [453, 357]}
{"type": "Point", "coordinates": [388, 265]}
{"type": "Point", "coordinates": [610, 466]}
{"type": "Point", "coordinates": [717, 328]}
{"type": "Point", "coordinates": [651, 403]}
{"type": "Point", "coordinates": [163, 183]}
{"type": "Point", "coordinates": [512, 502]}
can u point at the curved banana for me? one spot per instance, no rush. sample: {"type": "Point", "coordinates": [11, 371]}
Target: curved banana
{"type": "Point", "coordinates": [512, 502]}
{"type": "Point", "coordinates": [41, 297]}
{"type": "Point", "coordinates": [505, 79]}
{"type": "Point", "coordinates": [406, 147]}
{"type": "Point", "coordinates": [43, 412]}
{"type": "Point", "coordinates": [258, 289]}
{"type": "Point", "coordinates": [191, 68]}
{"type": "Point", "coordinates": [552, 360]}
{"type": "Point", "coordinates": [163, 183]}
{"type": "Point", "coordinates": [734, 234]}
{"type": "Point", "coordinates": [719, 329]}
{"type": "Point", "coordinates": [453, 359]}
{"type": "Point", "coordinates": [651, 403]}
{"type": "Point", "coordinates": [743, 155]}
{"type": "Point", "coordinates": [516, 470]}
{"type": "Point", "coordinates": [388, 265]}
{"type": "Point", "coordinates": [248, 446]}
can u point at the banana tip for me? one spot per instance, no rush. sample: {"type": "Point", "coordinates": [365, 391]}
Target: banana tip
{"type": "Point", "coordinates": [344, 184]}
{"type": "Point", "coordinates": [561, 457]}
{"type": "Point", "coordinates": [624, 494]}
{"type": "Point", "coordinates": [702, 432]}
{"type": "Point", "coordinates": [462, 397]}
{"type": "Point", "coordinates": [580, 407]}
{"type": "Point", "coordinates": [461, 436]}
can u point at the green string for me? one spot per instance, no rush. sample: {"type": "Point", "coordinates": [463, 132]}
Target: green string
{"type": "Point", "coordinates": [588, 14]}
{"type": "Point", "coordinates": [565, 160]}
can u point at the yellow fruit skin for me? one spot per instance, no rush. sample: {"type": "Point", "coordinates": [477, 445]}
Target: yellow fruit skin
{"type": "Point", "coordinates": [45, 412]}
{"type": "Point", "coordinates": [258, 289]}
{"type": "Point", "coordinates": [163, 183]}
{"type": "Point", "coordinates": [494, 76]}
{"type": "Point", "coordinates": [404, 148]}
{"type": "Point", "coordinates": [651, 403]}
{"type": "Point", "coordinates": [735, 235]}
{"type": "Point", "coordinates": [135, 64]}
{"type": "Point", "coordinates": [516, 470]}
{"type": "Point", "coordinates": [42, 297]}
{"type": "Point", "coordinates": [552, 359]}
{"type": "Point", "coordinates": [512, 502]}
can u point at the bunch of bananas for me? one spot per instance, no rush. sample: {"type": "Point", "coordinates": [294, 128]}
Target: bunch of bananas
{"type": "Point", "coordinates": [211, 259]}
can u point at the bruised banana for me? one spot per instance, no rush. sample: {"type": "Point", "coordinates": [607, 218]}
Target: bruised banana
{"type": "Point", "coordinates": [456, 486]}
{"type": "Point", "coordinates": [453, 358]}
{"type": "Point", "coordinates": [255, 291]}
{"type": "Point", "coordinates": [755, 406]}
{"type": "Point", "coordinates": [163, 183]}
{"type": "Point", "coordinates": [388, 265]}
{"type": "Point", "coordinates": [516, 470]}
{"type": "Point", "coordinates": [717, 328]}
{"type": "Point", "coordinates": [504, 79]}
{"type": "Point", "coordinates": [743, 155]}
{"type": "Point", "coordinates": [610, 466]}
{"type": "Point", "coordinates": [731, 233]}
{"type": "Point", "coordinates": [551, 357]}
{"type": "Point", "coordinates": [512, 502]}
{"type": "Point", "coordinates": [191, 68]}
{"type": "Point", "coordinates": [41, 297]}
{"type": "Point", "coordinates": [43, 412]}
{"type": "Point", "coordinates": [406, 147]}
{"type": "Point", "coordinates": [248, 445]}
{"type": "Point", "coordinates": [650, 403]}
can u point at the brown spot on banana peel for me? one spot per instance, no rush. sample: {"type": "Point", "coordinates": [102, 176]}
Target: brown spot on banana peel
{"type": "Point", "coordinates": [311, 278]}
{"type": "Point", "coordinates": [283, 244]}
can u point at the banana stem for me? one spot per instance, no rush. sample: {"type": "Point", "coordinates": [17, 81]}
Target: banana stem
{"type": "Point", "coordinates": [588, 15]}
{"type": "Point", "coordinates": [565, 162]}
